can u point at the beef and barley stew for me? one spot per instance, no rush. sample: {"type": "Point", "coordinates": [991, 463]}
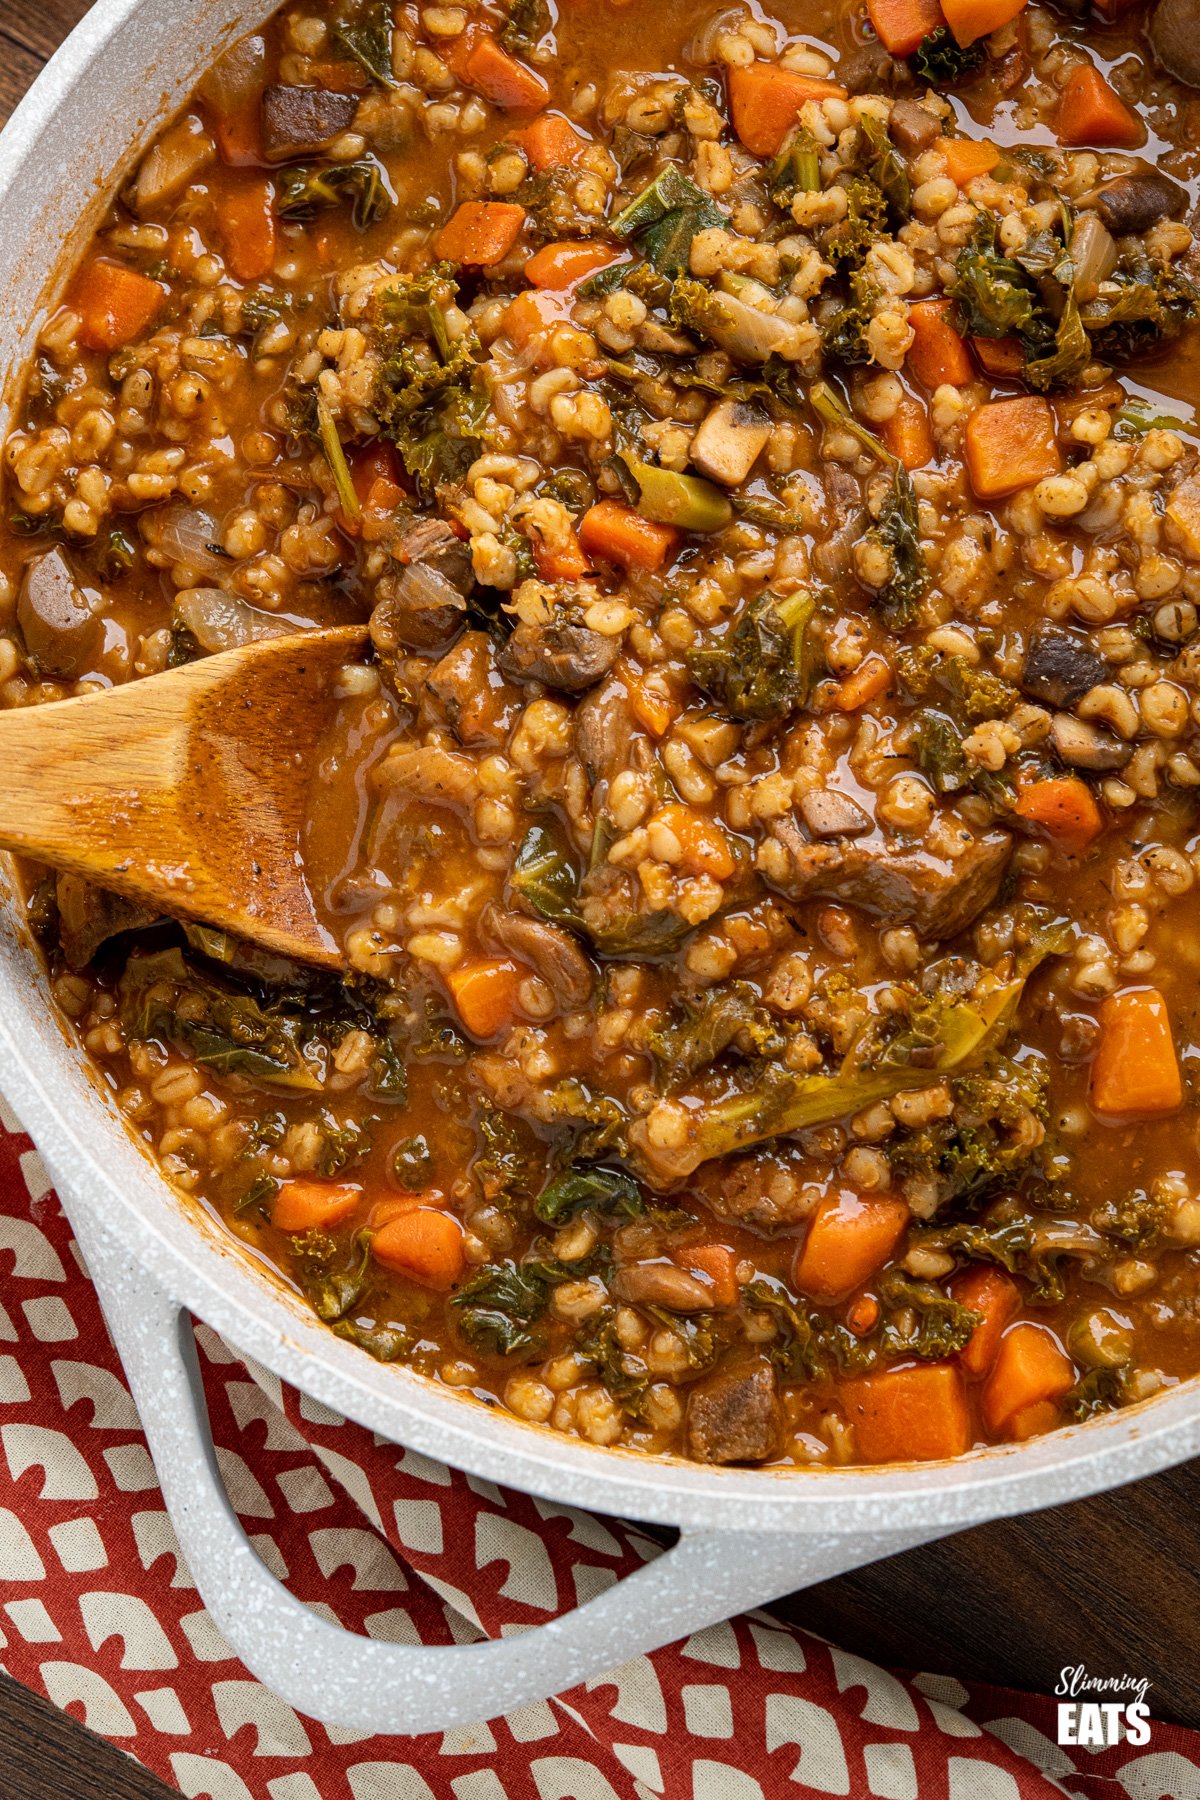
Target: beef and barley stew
{"type": "Point", "coordinates": [764, 830]}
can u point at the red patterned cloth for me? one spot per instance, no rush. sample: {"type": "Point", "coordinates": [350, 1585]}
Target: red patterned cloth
{"type": "Point", "coordinates": [98, 1612]}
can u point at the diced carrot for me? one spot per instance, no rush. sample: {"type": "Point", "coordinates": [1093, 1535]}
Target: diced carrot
{"type": "Point", "coordinates": [1089, 112]}
{"type": "Point", "coordinates": [480, 233]}
{"type": "Point", "coordinates": [965, 158]}
{"type": "Point", "coordinates": [1002, 358]}
{"type": "Point", "coordinates": [1031, 1421]}
{"type": "Point", "coordinates": [530, 313]}
{"type": "Point", "coordinates": [239, 133]}
{"type": "Point", "coordinates": [938, 353]}
{"type": "Point", "coordinates": [247, 224]}
{"type": "Point", "coordinates": [908, 434]}
{"type": "Point", "coordinates": [1030, 1369]}
{"type": "Point", "coordinates": [485, 995]}
{"type": "Point", "coordinates": [765, 103]}
{"type": "Point", "coordinates": [850, 1236]}
{"type": "Point", "coordinates": [622, 536]}
{"type": "Point", "coordinates": [872, 677]}
{"type": "Point", "coordinates": [652, 703]}
{"type": "Point", "coordinates": [862, 1315]}
{"type": "Point", "coordinates": [719, 1263]}
{"type": "Point", "coordinates": [424, 1245]}
{"type": "Point", "coordinates": [484, 65]}
{"type": "Point", "coordinates": [902, 25]}
{"type": "Point", "coordinates": [705, 847]}
{"type": "Point", "coordinates": [339, 75]}
{"type": "Point", "coordinates": [1065, 809]}
{"type": "Point", "coordinates": [115, 304]}
{"type": "Point", "coordinates": [971, 19]}
{"type": "Point", "coordinates": [376, 463]}
{"type": "Point", "coordinates": [996, 1296]}
{"type": "Point", "coordinates": [549, 141]}
{"type": "Point", "coordinates": [560, 266]}
{"type": "Point", "coordinates": [306, 1204]}
{"type": "Point", "coordinates": [562, 560]}
{"type": "Point", "coordinates": [908, 1415]}
{"type": "Point", "coordinates": [1136, 1071]}
{"type": "Point", "coordinates": [1009, 445]}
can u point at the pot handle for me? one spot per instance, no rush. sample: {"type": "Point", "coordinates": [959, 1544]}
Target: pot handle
{"type": "Point", "coordinates": [341, 1678]}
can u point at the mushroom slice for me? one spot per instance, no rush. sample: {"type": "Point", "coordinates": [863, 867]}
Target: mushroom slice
{"type": "Point", "coordinates": [547, 948]}
{"type": "Point", "coordinates": [299, 121]}
{"type": "Point", "coordinates": [730, 440]}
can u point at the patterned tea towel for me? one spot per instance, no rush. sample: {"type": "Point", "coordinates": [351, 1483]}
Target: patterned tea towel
{"type": "Point", "coordinates": [98, 1611]}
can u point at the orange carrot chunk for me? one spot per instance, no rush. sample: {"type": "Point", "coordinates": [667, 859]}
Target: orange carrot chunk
{"type": "Point", "coordinates": [549, 142]}
{"type": "Point", "coordinates": [1030, 1370]}
{"type": "Point", "coordinates": [1009, 445]}
{"type": "Point", "coordinates": [485, 995]}
{"type": "Point", "coordinates": [908, 1415]}
{"type": "Point", "coordinates": [533, 311]}
{"type": "Point", "coordinates": [704, 845]}
{"type": "Point", "coordinates": [971, 19]}
{"type": "Point", "coordinates": [424, 1245]}
{"type": "Point", "coordinates": [965, 158]}
{"type": "Point", "coordinates": [850, 1236]}
{"type": "Point", "coordinates": [115, 304]}
{"type": "Point", "coordinates": [765, 102]}
{"type": "Point", "coordinates": [908, 434]}
{"type": "Point", "coordinates": [622, 536]}
{"type": "Point", "coordinates": [938, 354]}
{"type": "Point", "coordinates": [902, 25]}
{"type": "Point", "coordinates": [1065, 809]}
{"type": "Point", "coordinates": [562, 265]}
{"type": "Point", "coordinates": [872, 677]}
{"type": "Point", "coordinates": [718, 1263]}
{"type": "Point", "coordinates": [562, 560]}
{"type": "Point", "coordinates": [305, 1204]}
{"type": "Point", "coordinates": [247, 221]}
{"type": "Point", "coordinates": [996, 1297]}
{"type": "Point", "coordinates": [1136, 1071]}
{"type": "Point", "coordinates": [499, 77]}
{"type": "Point", "coordinates": [480, 233]}
{"type": "Point", "coordinates": [1002, 358]}
{"type": "Point", "coordinates": [1089, 112]}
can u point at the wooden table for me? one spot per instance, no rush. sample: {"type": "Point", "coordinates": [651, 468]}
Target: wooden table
{"type": "Point", "coordinates": [1110, 1582]}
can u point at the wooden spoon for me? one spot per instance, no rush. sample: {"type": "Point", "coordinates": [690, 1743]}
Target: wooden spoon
{"type": "Point", "coordinates": [189, 790]}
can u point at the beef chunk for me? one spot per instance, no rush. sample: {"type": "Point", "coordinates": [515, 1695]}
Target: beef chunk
{"type": "Point", "coordinates": [88, 916]}
{"type": "Point", "coordinates": [828, 813]}
{"type": "Point", "coordinates": [913, 127]}
{"type": "Point", "coordinates": [561, 654]}
{"type": "Point", "coordinates": [1133, 203]}
{"type": "Point", "coordinates": [1059, 667]}
{"type": "Point", "coordinates": [462, 692]}
{"type": "Point", "coordinates": [905, 883]}
{"type": "Point", "coordinates": [755, 1191]}
{"type": "Point", "coordinates": [299, 121]}
{"type": "Point", "coordinates": [436, 545]}
{"type": "Point", "coordinates": [734, 1417]}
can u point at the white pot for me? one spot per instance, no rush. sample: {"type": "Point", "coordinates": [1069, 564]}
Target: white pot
{"type": "Point", "coordinates": [749, 1535]}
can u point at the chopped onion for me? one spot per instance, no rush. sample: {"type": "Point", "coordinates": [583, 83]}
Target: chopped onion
{"type": "Point", "coordinates": [421, 587]}
{"type": "Point", "coordinates": [238, 78]}
{"type": "Point", "coordinates": [185, 536]}
{"type": "Point", "coordinates": [1093, 254]}
{"type": "Point", "coordinates": [702, 49]}
{"type": "Point", "coordinates": [171, 163]}
{"type": "Point", "coordinates": [221, 621]}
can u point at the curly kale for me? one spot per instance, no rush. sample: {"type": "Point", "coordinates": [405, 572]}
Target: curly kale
{"type": "Point", "coordinates": [1142, 303]}
{"type": "Point", "coordinates": [544, 877]}
{"type": "Point", "coordinates": [427, 394]}
{"type": "Point", "coordinates": [1135, 1220]}
{"type": "Point", "coordinates": [898, 530]}
{"type": "Point", "coordinates": [368, 39]}
{"type": "Point", "coordinates": [844, 332]}
{"type": "Point", "coordinates": [503, 1164]}
{"type": "Point", "coordinates": [589, 1189]}
{"type": "Point", "coordinates": [625, 1376]}
{"type": "Point", "coordinates": [304, 189]}
{"type": "Point", "coordinates": [499, 1307]}
{"type": "Point", "coordinates": [941, 60]}
{"type": "Point", "coordinates": [960, 694]}
{"type": "Point", "coordinates": [757, 671]}
{"type": "Point", "coordinates": [931, 1326]}
{"type": "Point", "coordinates": [527, 23]}
{"type": "Point", "coordinates": [700, 1027]}
{"type": "Point", "coordinates": [865, 221]}
{"type": "Point", "coordinates": [1100, 1390]}
{"type": "Point", "coordinates": [333, 1276]}
{"type": "Point", "coordinates": [997, 296]}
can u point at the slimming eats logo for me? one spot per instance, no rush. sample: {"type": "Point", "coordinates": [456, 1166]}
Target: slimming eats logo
{"type": "Point", "coordinates": [1101, 1710]}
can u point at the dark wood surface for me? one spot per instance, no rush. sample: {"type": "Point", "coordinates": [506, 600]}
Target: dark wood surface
{"type": "Point", "coordinates": [1111, 1582]}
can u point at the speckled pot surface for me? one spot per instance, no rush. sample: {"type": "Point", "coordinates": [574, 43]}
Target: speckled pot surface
{"type": "Point", "coordinates": [748, 1534]}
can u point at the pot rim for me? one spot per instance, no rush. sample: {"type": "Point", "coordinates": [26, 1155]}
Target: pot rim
{"type": "Point", "coordinates": [99, 1168]}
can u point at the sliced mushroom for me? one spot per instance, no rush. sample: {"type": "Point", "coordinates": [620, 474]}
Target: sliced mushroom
{"type": "Point", "coordinates": [299, 121]}
{"type": "Point", "coordinates": [1132, 203]}
{"type": "Point", "coordinates": [563, 655]}
{"type": "Point", "coordinates": [730, 440]}
{"type": "Point", "coordinates": [828, 814]}
{"type": "Point", "coordinates": [88, 916]}
{"type": "Point", "coordinates": [547, 948]}
{"type": "Point", "coordinates": [604, 731]}
{"type": "Point", "coordinates": [172, 163]}
{"type": "Point", "coordinates": [1175, 39]}
{"type": "Point", "coordinates": [913, 127]}
{"type": "Point", "coordinates": [57, 617]}
{"type": "Point", "coordinates": [1059, 667]}
{"type": "Point", "coordinates": [662, 1284]}
{"type": "Point", "coordinates": [1087, 746]}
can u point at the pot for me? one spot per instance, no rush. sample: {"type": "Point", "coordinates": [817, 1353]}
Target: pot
{"type": "Point", "coordinates": [747, 1535]}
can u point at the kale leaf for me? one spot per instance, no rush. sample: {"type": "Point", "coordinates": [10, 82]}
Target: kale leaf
{"type": "Point", "coordinates": [595, 1189]}
{"type": "Point", "coordinates": [757, 671]}
{"type": "Point", "coordinates": [941, 60]}
{"type": "Point", "coordinates": [498, 1309]}
{"type": "Point", "coordinates": [665, 217]}
{"type": "Point", "coordinates": [303, 189]}
{"type": "Point", "coordinates": [700, 1027]}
